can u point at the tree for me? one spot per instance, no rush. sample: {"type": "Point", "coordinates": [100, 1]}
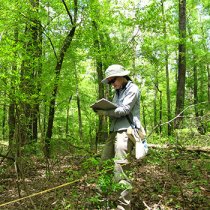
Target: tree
{"type": "Point", "coordinates": [66, 44]}
{"type": "Point", "coordinates": [166, 69]}
{"type": "Point", "coordinates": [30, 73]}
{"type": "Point", "coordinates": [180, 95]}
{"type": "Point", "coordinates": [24, 72]}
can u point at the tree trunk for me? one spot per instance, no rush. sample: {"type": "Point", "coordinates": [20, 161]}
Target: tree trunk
{"type": "Point", "coordinates": [102, 125]}
{"type": "Point", "coordinates": [180, 96]}
{"type": "Point", "coordinates": [155, 110]}
{"type": "Point", "coordinates": [144, 115]}
{"type": "Point", "coordinates": [161, 112]}
{"type": "Point", "coordinates": [160, 109]}
{"type": "Point", "coordinates": [30, 73]}
{"type": "Point", "coordinates": [167, 70]}
{"type": "Point", "coordinates": [4, 120]}
{"type": "Point", "coordinates": [208, 70]}
{"type": "Point", "coordinates": [195, 87]}
{"type": "Point", "coordinates": [200, 125]}
{"type": "Point", "coordinates": [98, 60]}
{"type": "Point", "coordinates": [67, 117]}
{"type": "Point", "coordinates": [11, 114]}
{"type": "Point", "coordinates": [78, 104]}
{"type": "Point", "coordinates": [65, 47]}
{"type": "Point", "coordinates": [11, 122]}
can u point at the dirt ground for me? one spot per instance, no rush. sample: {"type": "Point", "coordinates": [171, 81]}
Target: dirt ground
{"type": "Point", "coordinates": [163, 180]}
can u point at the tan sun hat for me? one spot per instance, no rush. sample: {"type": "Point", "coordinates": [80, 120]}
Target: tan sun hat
{"type": "Point", "coordinates": [115, 70]}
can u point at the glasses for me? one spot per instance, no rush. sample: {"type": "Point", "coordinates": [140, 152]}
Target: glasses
{"type": "Point", "coordinates": [112, 81]}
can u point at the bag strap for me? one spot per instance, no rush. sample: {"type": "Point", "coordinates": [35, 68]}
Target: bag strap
{"type": "Point", "coordinates": [130, 121]}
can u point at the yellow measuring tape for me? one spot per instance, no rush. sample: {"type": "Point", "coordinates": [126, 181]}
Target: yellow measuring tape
{"type": "Point", "coordinates": [42, 192]}
{"type": "Point", "coordinates": [50, 189]}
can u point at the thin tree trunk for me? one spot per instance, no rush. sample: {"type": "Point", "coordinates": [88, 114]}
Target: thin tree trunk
{"type": "Point", "coordinates": [79, 116]}
{"type": "Point", "coordinates": [11, 122]}
{"type": "Point", "coordinates": [11, 114]}
{"type": "Point", "coordinates": [98, 60]}
{"type": "Point", "coordinates": [201, 125]}
{"type": "Point", "coordinates": [65, 47]}
{"type": "Point", "coordinates": [195, 87]}
{"type": "Point", "coordinates": [195, 84]}
{"type": "Point", "coordinates": [155, 109]}
{"type": "Point", "coordinates": [167, 70]}
{"type": "Point", "coordinates": [161, 112]}
{"type": "Point", "coordinates": [180, 96]}
{"type": "Point", "coordinates": [102, 125]}
{"type": "Point", "coordinates": [67, 117]}
{"type": "Point", "coordinates": [208, 70]}
{"type": "Point", "coordinates": [144, 115]}
{"type": "Point", "coordinates": [208, 73]}
{"type": "Point", "coordinates": [78, 104]}
{"type": "Point", "coordinates": [38, 72]}
{"type": "Point", "coordinates": [4, 120]}
{"type": "Point", "coordinates": [160, 108]}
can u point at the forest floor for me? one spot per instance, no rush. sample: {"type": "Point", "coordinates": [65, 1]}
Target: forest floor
{"type": "Point", "coordinates": [165, 179]}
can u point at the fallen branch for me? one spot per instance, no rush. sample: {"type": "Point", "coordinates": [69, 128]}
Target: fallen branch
{"type": "Point", "coordinates": [6, 157]}
{"type": "Point", "coordinates": [188, 148]}
{"type": "Point", "coordinates": [179, 115]}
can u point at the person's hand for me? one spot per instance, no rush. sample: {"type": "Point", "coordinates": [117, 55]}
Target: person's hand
{"type": "Point", "coordinates": [100, 112]}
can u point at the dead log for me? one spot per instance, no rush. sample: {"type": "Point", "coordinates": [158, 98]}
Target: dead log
{"type": "Point", "coordinates": [187, 148]}
{"type": "Point", "coordinates": [6, 157]}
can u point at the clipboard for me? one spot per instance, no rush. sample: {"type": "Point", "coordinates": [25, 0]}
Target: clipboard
{"type": "Point", "coordinates": [103, 104]}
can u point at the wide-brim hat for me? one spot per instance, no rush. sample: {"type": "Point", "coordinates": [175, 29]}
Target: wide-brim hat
{"type": "Point", "coordinates": [115, 70]}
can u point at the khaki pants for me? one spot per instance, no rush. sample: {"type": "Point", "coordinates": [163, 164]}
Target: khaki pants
{"type": "Point", "coordinates": [118, 147]}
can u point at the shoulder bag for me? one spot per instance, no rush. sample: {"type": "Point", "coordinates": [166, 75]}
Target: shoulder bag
{"type": "Point", "coordinates": [138, 137]}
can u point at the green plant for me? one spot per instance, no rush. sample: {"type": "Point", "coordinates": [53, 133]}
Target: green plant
{"type": "Point", "coordinates": [90, 163]}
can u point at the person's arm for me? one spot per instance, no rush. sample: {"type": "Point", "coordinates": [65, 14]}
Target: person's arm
{"type": "Point", "coordinates": [127, 105]}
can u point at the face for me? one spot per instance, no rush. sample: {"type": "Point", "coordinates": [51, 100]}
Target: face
{"type": "Point", "coordinates": [116, 82]}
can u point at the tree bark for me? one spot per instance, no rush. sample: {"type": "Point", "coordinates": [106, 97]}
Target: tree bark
{"type": "Point", "coordinates": [180, 96]}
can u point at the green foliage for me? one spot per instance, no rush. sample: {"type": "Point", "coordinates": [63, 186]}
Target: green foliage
{"type": "Point", "coordinates": [106, 182]}
{"type": "Point", "coordinates": [72, 174]}
{"type": "Point", "coordinates": [122, 29]}
{"type": "Point", "coordinates": [130, 33]}
{"type": "Point", "coordinates": [90, 163]}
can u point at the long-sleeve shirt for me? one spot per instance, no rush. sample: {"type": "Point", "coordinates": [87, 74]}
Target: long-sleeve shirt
{"type": "Point", "coordinates": [128, 101]}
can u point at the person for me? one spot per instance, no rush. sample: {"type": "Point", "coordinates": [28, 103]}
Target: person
{"type": "Point", "coordinates": [118, 146]}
